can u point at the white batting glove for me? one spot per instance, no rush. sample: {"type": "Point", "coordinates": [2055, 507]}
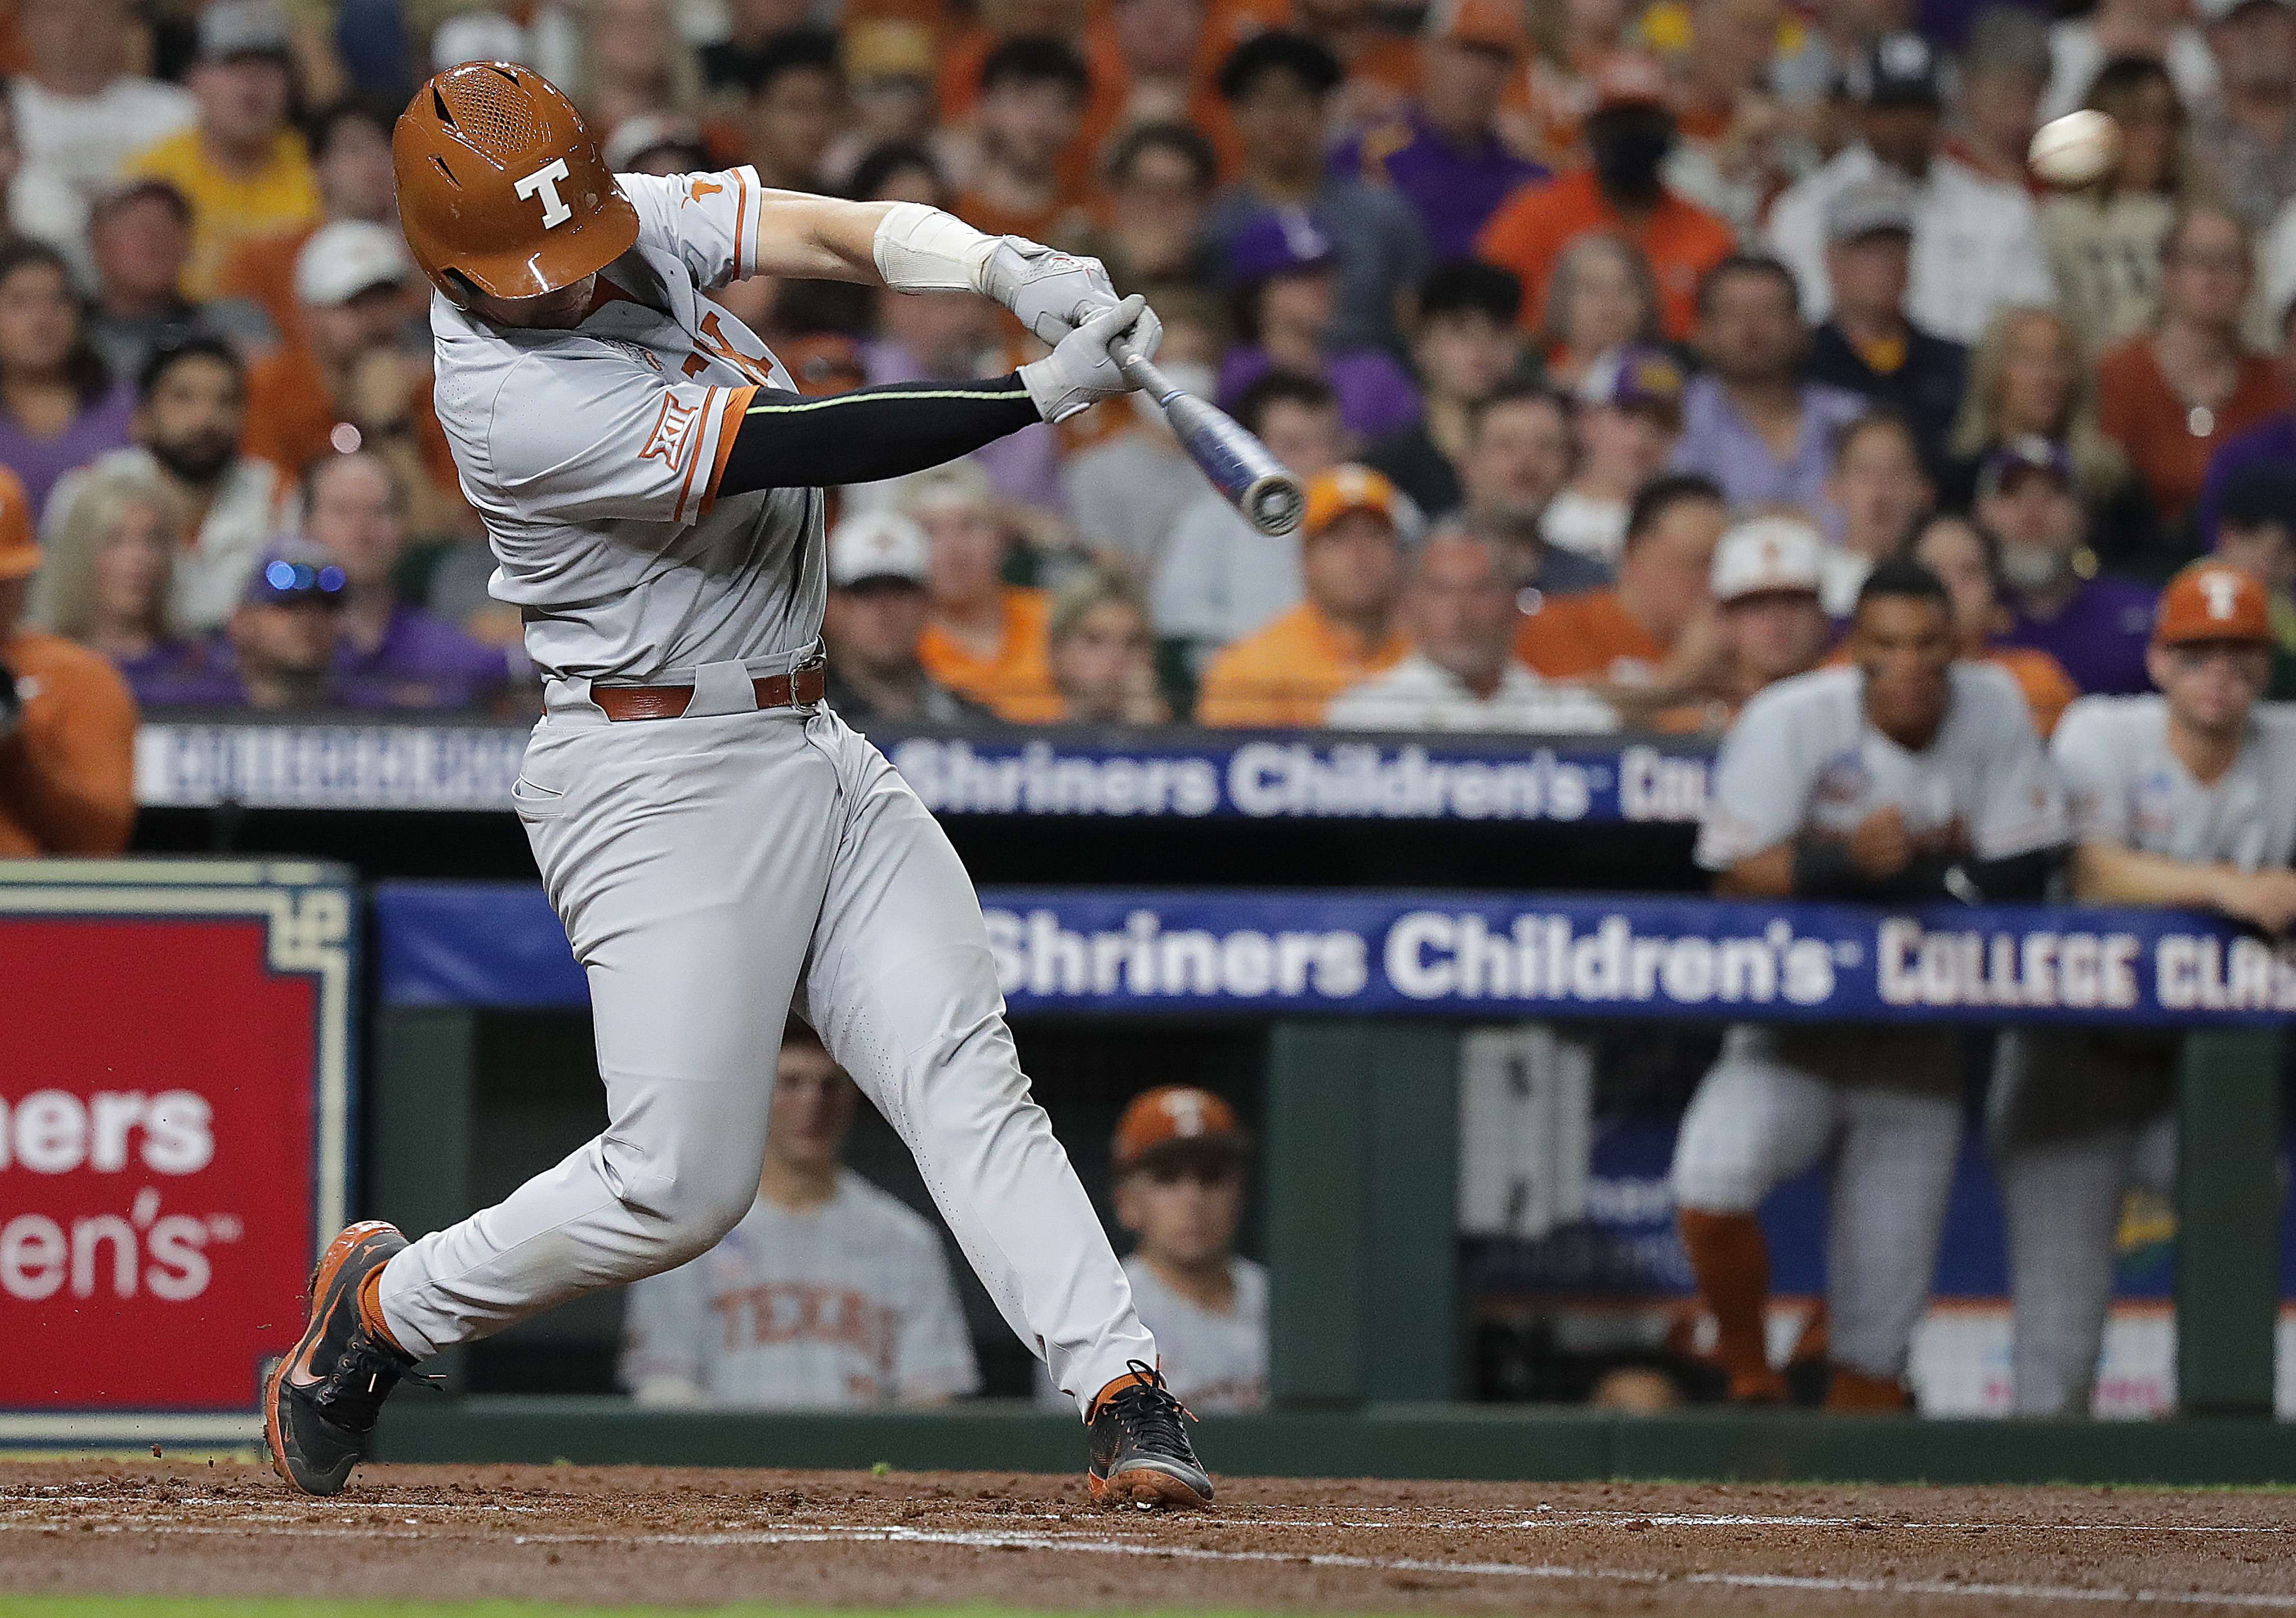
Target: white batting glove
{"type": "Point", "coordinates": [1080, 371]}
{"type": "Point", "coordinates": [1054, 292]}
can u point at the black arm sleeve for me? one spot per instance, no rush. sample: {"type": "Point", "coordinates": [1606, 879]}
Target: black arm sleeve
{"type": "Point", "coordinates": [1821, 869]}
{"type": "Point", "coordinates": [787, 441]}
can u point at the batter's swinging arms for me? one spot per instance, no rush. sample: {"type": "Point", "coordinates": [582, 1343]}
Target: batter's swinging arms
{"type": "Point", "coordinates": [716, 841]}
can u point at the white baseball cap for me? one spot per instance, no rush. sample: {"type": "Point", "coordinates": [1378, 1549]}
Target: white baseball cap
{"type": "Point", "coordinates": [345, 258]}
{"type": "Point", "coordinates": [1766, 553]}
{"type": "Point", "coordinates": [876, 544]}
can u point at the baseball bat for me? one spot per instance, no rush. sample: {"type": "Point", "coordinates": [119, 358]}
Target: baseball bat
{"type": "Point", "coordinates": [1238, 464]}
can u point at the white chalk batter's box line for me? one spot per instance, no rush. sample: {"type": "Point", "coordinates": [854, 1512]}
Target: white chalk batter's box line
{"type": "Point", "coordinates": [1481, 1522]}
{"type": "Point", "coordinates": [891, 1535]}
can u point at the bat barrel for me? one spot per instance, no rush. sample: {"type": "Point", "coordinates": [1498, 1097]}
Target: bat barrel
{"type": "Point", "coordinates": [1259, 486]}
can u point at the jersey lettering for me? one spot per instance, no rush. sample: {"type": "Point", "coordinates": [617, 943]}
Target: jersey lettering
{"type": "Point", "coordinates": [714, 340]}
{"type": "Point", "coordinates": [672, 432]}
{"type": "Point", "coordinates": [543, 183]}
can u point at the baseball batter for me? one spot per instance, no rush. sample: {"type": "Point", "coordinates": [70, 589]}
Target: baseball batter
{"type": "Point", "coordinates": [716, 841]}
{"type": "Point", "coordinates": [2185, 799]}
{"type": "Point", "coordinates": [1903, 778]}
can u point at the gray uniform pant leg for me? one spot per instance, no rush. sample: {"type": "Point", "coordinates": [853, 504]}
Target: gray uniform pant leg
{"type": "Point", "coordinates": [1892, 1176]}
{"type": "Point", "coordinates": [903, 989]}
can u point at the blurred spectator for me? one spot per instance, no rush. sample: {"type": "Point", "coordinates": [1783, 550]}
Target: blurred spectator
{"type": "Point", "coordinates": [1628, 135]}
{"type": "Point", "coordinates": [1976, 241]}
{"type": "Point", "coordinates": [1877, 490]}
{"type": "Point", "coordinates": [1868, 345]}
{"type": "Point", "coordinates": [1464, 345]}
{"type": "Point", "coordinates": [1445, 154]}
{"type": "Point", "coordinates": [106, 581]}
{"type": "Point", "coordinates": [1281, 268]}
{"type": "Point", "coordinates": [2170, 396]}
{"type": "Point", "coordinates": [1601, 298]}
{"type": "Point", "coordinates": [1219, 579]}
{"type": "Point", "coordinates": [2273, 438]}
{"type": "Point", "coordinates": [1902, 778]}
{"type": "Point", "coordinates": [2256, 532]}
{"type": "Point", "coordinates": [1462, 673]}
{"type": "Point", "coordinates": [1630, 416]}
{"type": "Point", "coordinates": [635, 61]}
{"type": "Point", "coordinates": [1518, 455]}
{"type": "Point", "coordinates": [1572, 43]}
{"type": "Point", "coordinates": [1749, 422]}
{"type": "Point", "coordinates": [796, 100]}
{"type": "Point", "coordinates": [66, 722]}
{"type": "Point", "coordinates": [730, 69]}
{"type": "Point", "coordinates": [984, 639]}
{"type": "Point", "coordinates": [1102, 652]}
{"type": "Point", "coordinates": [2095, 626]}
{"type": "Point", "coordinates": [58, 406]}
{"type": "Point", "coordinates": [2179, 799]}
{"type": "Point", "coordinates": [1289, 671]}
{"type": "Point", "coordinates": [1650, 640]}
{"type": "Point", "coordinates": [1765, 581]}
{"type": "Point", "coordinates": [351, 382]}
{"type": "Point", "coordinates": [1967, 561]}
{"type": "Point", "coordinates": [34, 200]}
{"type": "Point", "coordinates": [287, 630]}
{"type": "Point", "coordinates": [80, 112]}
{"type": "Point", "coordinates": [1151, 233]}
{"type": "Point", "coordinates": [1177, 1180]}
{"type": "Point", "coordinates": [829, 1292]}
{"type": "Point", "coordinates": [888, 65]}
{"type": "Point", "coordinates": [139, 237]}
{"type": "Point", "coordinates": [245, 171]}
{"type": "Point", "coordinates": [190, 415]}
{"type": "Point", "coordinates": [2105, 240]}
{"type": "Point", "coordinates": [901, 174]}
{"type": "Point", "coordinates": [350, 156]}
{"type": "Point", "coordinates": [2079, 46]}
{"type": "Point", "coordinates": [392, 655]}
{"type": "Point", "coordinates": [1126, 490]}
{"type": "Point", "coordinates": [2027, 379]}
{"type": "Point", "coordinates": [876, 614]}
{"type": "Point", "coordinates": [2005, 67]}
{"type": "Point", "coordinates": [652, 142]}
{"type": "Point", "coordinates": [1738, 141]}
{"type": "Point", "coordinates": [1278, 87]}
{"type": "Point", "coordinates": [1160, 57]}
{"type": "Point", "coordinates": [952, 337]}
{"type": "Point", "coordinates": [1030, 114]}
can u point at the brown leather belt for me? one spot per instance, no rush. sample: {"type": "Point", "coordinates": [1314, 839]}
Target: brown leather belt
{"type": "Point", "coordinates": [799, 688]}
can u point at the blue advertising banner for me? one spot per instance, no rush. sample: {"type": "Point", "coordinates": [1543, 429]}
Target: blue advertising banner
{"type": "Point", "coordinates": [1179, 774]}
{"type": "Point", "coordinates": [1127, 953]}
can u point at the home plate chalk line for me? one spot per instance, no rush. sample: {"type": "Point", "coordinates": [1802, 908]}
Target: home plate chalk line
{"type": "Point", "coordinates": [981, 1539]}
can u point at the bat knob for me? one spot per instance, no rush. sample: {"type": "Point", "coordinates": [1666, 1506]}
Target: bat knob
{"type": "Point", "coordinates": [1274, 504]}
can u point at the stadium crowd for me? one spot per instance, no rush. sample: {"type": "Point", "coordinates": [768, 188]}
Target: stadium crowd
{"type": "Point", "coordinates": [1570, 313]}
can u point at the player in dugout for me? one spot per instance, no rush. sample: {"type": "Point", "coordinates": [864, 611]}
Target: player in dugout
{"type": "Point", "coordinates": [67, 720]}
{"type": "Point", "coordinates": [2183, 798]}
{"type": "Point", "coordinates": [720, 846]}
{"type": "Point", "coordinates": [1905, 776]}
{"type": "Point", "coordinates": [829, 1292]}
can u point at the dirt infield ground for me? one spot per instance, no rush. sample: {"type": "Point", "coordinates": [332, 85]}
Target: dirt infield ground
{"type": "Point", "coordinates": [635, 1535]}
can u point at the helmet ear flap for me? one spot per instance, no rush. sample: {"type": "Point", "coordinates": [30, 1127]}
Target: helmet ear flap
{"type": "Point", "coordinates": [459, 288]}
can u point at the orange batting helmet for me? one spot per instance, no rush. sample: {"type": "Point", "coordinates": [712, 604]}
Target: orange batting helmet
{"type": "Point", "coordinates": [501, 186]}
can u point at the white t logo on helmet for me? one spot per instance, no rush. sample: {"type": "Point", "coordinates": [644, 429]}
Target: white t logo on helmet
{"type": "Point", "coordinates": [2223, 591]}
{"type": "Point", "coordinates": [543, 183]}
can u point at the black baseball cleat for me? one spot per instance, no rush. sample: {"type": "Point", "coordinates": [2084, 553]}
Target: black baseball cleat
{"type": "Point", "coordinates": [1140, 1451]}
{"type": "Point", "coordinates": [320, 1402]}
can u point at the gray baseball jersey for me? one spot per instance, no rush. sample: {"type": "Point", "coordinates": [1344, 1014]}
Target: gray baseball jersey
{"type": "Point", "coordinates": [1213, 1361]}
{"type": "Point", "coordinates": [848, 1304]}
{"type": "Point", "coordinates": [2124, 787]}
{"type": "Point", "coordinates": [628, 566]}
{"type": "Point", "coordinates": [1803, 757]}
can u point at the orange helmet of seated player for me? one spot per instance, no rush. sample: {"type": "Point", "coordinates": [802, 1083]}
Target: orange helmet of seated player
{"type": "Point", "coordinates": [501, 186]}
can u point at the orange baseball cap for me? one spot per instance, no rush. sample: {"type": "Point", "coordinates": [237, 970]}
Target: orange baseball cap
{"type": "Point", "coordinates": [1174, 1115]}
{"type": "Point", "coordinates": [1332, 494]}
{"type": "Point", "coordinates": [19, 552]}
{"type": "Point", "coordinates": [1496, 25]}
{"type": "Point", "coordinates": [1631, 79]}
{"type": "Point", "coordinates": [2210, 601]}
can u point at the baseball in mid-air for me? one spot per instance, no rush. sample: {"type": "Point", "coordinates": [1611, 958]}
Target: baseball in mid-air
{"type": "Point", "coordinates": [2076, 150]}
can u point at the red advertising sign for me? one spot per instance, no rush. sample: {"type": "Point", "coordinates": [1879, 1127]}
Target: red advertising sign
{"type": "Point", "coordinates": [173, 1080]}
